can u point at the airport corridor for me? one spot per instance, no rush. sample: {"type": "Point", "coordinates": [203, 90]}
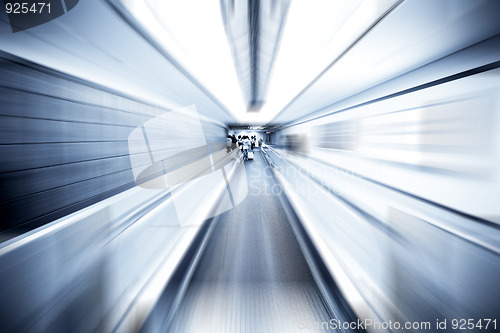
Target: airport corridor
{"type": "Point", "coordinates": [371, 204]}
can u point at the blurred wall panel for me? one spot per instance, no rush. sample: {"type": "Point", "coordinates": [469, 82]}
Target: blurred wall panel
{"type": "Point", "coordinates": [398, 187]}
{"type": "Point", "coordinates": [436, 138]}
{"type": "Point", "coordinates": [63, 143]}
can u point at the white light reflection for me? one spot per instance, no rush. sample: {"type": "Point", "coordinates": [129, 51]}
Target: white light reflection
{"type": "Point", "coordinates": [192, 32]}
{"type": "Point", "coordinates": [316, 33]}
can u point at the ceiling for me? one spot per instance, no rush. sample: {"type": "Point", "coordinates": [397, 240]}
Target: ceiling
{"type": "Point", "coordinates": [295, 59]}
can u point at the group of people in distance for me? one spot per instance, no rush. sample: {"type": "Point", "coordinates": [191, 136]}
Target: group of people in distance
{"type": "Point", "coordinates": [245, 143]}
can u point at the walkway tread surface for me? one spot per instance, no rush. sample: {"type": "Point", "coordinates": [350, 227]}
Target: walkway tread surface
{"type": "Point", "coordinates": [252, 276]}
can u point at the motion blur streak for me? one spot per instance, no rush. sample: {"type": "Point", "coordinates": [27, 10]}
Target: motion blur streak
{"type": "Point", "coordinates": [128, 202]}
{"type": "Point", "coordinates": [412, 181]}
